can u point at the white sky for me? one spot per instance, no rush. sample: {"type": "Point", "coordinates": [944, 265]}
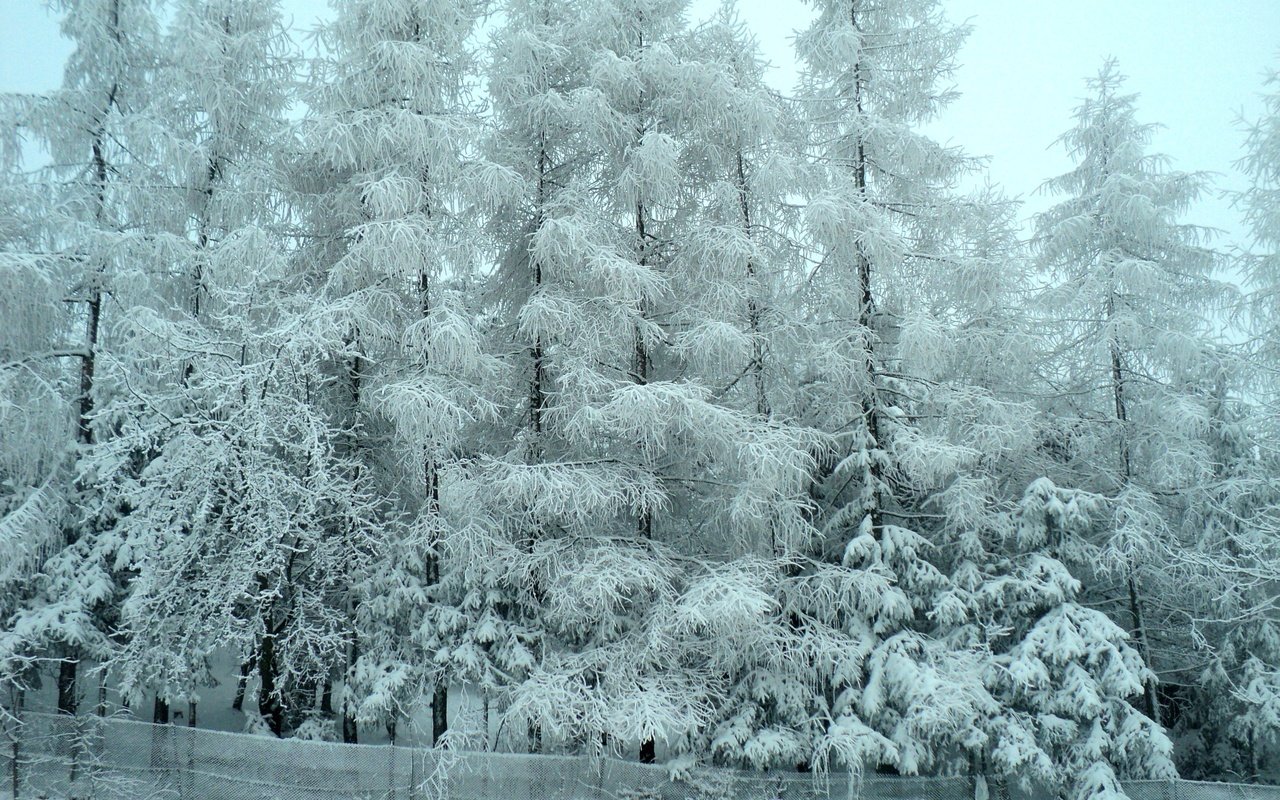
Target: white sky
{"type": "Point", "coordinates": [1197, 64]}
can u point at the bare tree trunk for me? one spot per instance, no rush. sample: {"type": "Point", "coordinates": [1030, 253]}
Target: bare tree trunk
{"type": "Point", "coordinates": [101, 710]}
{"type": "Point", "coordinates": [93, 320]}
{"type": "Point", "coordinates": [439, 713]}
{"type": "Point", "coordinates": [269, 704]}
{"type": "Point", "coordinates": [237, 703]}
{"type": "Point", "coordinates": [350, 731]}
{"type": "Point", "coordinates": [1126, 471]}
{"type": "Point", "coordinates": [18, 697]}
{"type": "Point", "coordinates": [866, 309]}
{"type": "Point", "coordinates": [1140, 638]}
{"type": "Point", "coordinates": [644, 525]}
{"type": "Point", "coordinates": [67, 696]}
{"type": "Point", "coordinates": [160, 712]}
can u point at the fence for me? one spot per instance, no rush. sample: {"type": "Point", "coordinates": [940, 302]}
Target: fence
{"type": "Point", "coordinates": [93, 757]}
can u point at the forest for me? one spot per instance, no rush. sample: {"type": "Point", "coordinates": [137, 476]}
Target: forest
{"type": "Point", "coordinates": [540, 352]}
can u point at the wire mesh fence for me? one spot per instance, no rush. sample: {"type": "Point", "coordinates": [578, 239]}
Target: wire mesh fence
{"type": "Point", "coordinates": [93, 757]}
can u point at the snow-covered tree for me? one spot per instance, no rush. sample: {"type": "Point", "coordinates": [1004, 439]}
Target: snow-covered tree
{"type": "Point", "coordinates": [1131, 290]}
{"type": "Point", "coordinates": [1229, 725]}
{"type": "Point", "coordinates": [1259, 204]}
{"type": "Point", "coordinates": [393, 129]}
{"type": "Point", "coordinates": [902, 327]}
{"type": "Point", "coordinates": [218, 96]}
{"type": "Point", "coordinates": [1061, 674]}
{"type": "Point", "coordinates": [627, 293]}
{"type": "Point", "coordinates": [86, 240]}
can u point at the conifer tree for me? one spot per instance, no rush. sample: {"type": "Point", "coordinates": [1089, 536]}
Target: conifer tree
{"type": "Point", "coordinates": [393, 125]}
{"type": "Point", "coordinates": [892, 248]}
{"type": "Point", "coordinates": [1131, 290]}
{"type": "Point", "coordinates": [216, 124]}
{"type": "Point", "coordinates": [629, 203]}
{"type": "Point", "coordinates": [88, 242]}
{"type": "Point", "coordinates": [1231, 715]}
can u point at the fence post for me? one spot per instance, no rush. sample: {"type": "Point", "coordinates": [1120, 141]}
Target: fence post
{"type": "Point", "coordinates": [415, 753]}
{"type": "Point", "coordinates": [599, 768]}
{"type": "Point", "coordinates": [16, 698]}
{"type": "Point", "coordinates": [391, 770]}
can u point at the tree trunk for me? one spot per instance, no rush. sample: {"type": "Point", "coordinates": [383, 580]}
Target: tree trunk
{"type": "Point", "coordinates": [160, 712]}
{"type": "Point", "coordinates": [439, 713]}
{"type": "Point", "coordinates": [269, 705]}
{"type": "Point", "coordinates": [237, 703]}
{"type": "Point", "coordinates": [1126, 472]}
{"type": "Point", "coordinates": [350, 731]}
{"type": "Point", "coordinates": [644, 525]}
{"type": "Point", "coordinates": [1140, 638]}
{"type": "Point", "coordinates": [93, 323]}
{"type": "Point", "coordinates": [191, 713]}
{"type": "Point", "coordinates": [15, 741]}
{"type": "Point", "coordinates": [67, 685]}
{"type": "Point", "coordinates": [753, 306]}
{"type": "Point", "coordinates": [101, 710]}
{"type": "Point", "coordinates": [326, 698]}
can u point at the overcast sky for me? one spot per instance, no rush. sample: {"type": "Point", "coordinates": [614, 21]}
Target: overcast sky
{"type": "Point", "coordinates": [1197, 64]}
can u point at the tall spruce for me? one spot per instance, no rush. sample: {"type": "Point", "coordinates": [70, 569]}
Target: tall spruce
{"type": "Point", "coordinates": [891, 243]}
{"type": "Point", "coordinates": [1131, 290]}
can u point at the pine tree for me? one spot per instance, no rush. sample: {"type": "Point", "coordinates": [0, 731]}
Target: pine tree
{"type": "Point", "coordinates": [394, 125]}
{"type": "Point", "coordinates": [1061, 674]}
{"type": "Point", "coordinates": [634, 443]}
{"type": "Point", "coordinates": [892, 372]}
{"type": "Point", "coordinates": [89, 241]}
{"type": "Point", "coordinates": [216, 123]}
{"type": "Point", "coordinates": [1130, 294]}
{"type": "Point", "coordinates": [1229, 724]}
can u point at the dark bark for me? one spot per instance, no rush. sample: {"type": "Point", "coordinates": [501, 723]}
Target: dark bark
{"type": "Point", "coordinates": [644, 525]}
{"type": "Point", "coordinates": [160, 713]}
{"type": "Point", "coordinates": [101, 710]}
{"type": "Point", "coordinates": [753, 306]}
{"type": "Point", "coordinates": [326, 698]}
{"type": "Point", "coordinates": [246, 667]}
{"type": "Point", "coordinates": [67, 696]}
{"type": "Point", "coordinates": [269, 703]}
{"type": "Point", "coordinates": [93, 321]}
{"type": "Point", "coordinates": [537, 388]}
{"type": "Point", "coordinates": [439, 713]}
{"type": "Point", "coordinates": [1126, 473]}
{"type": "Point", "coordinates": [641, 362]}
{"type": "Point", "coordinates": [191, 713]}
{"type": "Point", "coordinates": [866, 306]}
{"type": "Point", "coordinates": [1140, 638]}
{"type": "Point", "coordinates": [15, 740]}
{"type": "Point", "coordinates": [350, 732]}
